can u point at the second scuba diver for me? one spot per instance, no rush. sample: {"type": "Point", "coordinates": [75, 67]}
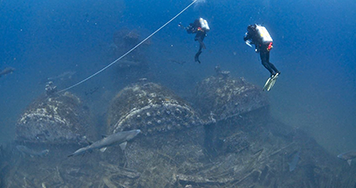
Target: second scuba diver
{"type": "Point", "coordinates": [259, 36]}
{"type": "Point", "coordinates": [200, 27]}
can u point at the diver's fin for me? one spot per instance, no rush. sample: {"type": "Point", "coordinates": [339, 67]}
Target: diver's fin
{"type": "Point", "coordinates": [270, 82]}
{"type": "Point", "coordinates": [349, 162]}
{"type": "Point", "coordinates": [275, 76]}
{"type": "Point", "coordinates": [267, 84]}
{"type": "Point", "coordinates": [103, 136]}
{"type": "Point", "coordinates": [123, 146]}
{"type": "Point", "coordinates": [103, 149]}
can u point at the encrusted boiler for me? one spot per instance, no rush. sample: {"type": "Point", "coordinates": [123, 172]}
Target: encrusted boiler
{"type": "Point", "coordinates": [220, 97]}
{"type": "Point", "coordinates": [54, 119]}
{"type": "Point", "coordinates": [151, 108]}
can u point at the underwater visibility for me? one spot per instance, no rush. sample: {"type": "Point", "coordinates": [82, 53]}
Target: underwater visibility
{"type": "Point", "coordinates": [186, 94]}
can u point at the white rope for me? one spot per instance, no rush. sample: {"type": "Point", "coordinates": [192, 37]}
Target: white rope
{"type": "Point", "coordinates": [132, 49]}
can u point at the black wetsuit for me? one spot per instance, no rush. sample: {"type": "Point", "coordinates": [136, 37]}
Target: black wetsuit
{"type": "Point", "coordinates": [262, 48]}
{"type": "Point", "coordinates": [200, 35]}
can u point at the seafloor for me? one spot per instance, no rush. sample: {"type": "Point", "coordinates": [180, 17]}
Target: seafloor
{"type": "Point", "coordinates": [224, 137]}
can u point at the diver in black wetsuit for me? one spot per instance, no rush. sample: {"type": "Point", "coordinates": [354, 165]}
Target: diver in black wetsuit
{"type": "Point", "coordinates": [200, 27]}
{"type": "Point", "coordinates": [259, 36]}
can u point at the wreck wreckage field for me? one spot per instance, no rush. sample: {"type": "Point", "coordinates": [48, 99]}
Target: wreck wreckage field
{"type": "Point", "coordinates": [225, 138]}
{"type": "Point", "coordinates": [197, 128]}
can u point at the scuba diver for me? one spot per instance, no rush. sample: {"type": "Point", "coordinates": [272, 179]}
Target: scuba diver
{"type": "Point", "coordinates": [259, 36]}
{"type": "Point", "coordinates": [200, 27]}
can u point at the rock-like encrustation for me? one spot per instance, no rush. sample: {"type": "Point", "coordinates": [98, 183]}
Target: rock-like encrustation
{"type": "Point", "coordinates": [243, 147]}
{"type": "Point", "coordinates": [54, 119]}
{"type": "Point", "coordinates": [151, 108]}
{"type": "Point", "coordinates": [220, 97]}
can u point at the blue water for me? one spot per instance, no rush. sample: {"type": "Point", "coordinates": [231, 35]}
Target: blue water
{"type": "Point", "coordinates": [313, 48]}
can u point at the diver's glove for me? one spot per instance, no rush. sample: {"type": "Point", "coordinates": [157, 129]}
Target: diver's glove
{"type": "Point", "coordinates": [245, 37]}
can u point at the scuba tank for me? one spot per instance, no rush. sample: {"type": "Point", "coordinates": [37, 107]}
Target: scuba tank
{"type": "Point", "coordinates": [263, 33]}
{"type": "Point", "coordinates": [204, 24]}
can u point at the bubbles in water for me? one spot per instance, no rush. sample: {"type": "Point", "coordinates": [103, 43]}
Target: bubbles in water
{"type": "Point", "coordinates": [198, 2]}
